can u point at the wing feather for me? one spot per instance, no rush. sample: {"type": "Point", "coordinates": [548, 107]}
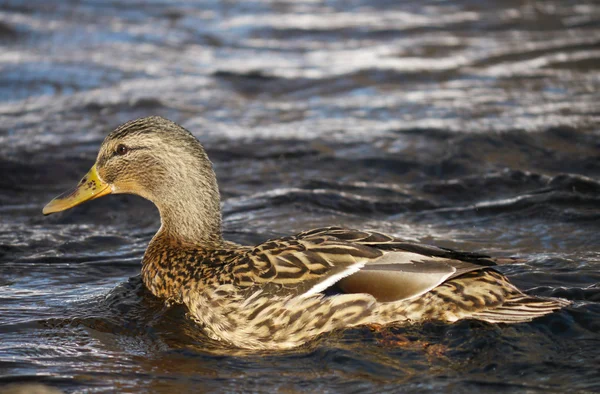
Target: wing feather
{"type": "Point", "coordinates": [388, 242]}
{"type": "Point", "coordinates": [353, 261]}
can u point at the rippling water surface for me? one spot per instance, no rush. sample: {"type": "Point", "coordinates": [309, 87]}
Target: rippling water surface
{"type": "Point", "coordinates": [467, 124]}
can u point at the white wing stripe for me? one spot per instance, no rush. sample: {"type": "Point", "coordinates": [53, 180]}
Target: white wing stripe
{"type": "Point", "coordinates": [330, 281]}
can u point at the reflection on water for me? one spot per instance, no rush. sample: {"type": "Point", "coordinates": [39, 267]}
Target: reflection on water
{"type": "Point", "coordinates": [471, 125]}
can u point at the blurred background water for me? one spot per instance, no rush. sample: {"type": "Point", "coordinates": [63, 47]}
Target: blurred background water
{"type": "Point", "coordinates": [466, 124]}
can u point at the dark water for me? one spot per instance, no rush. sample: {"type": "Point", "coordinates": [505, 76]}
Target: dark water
{"type": "Point", "coordinates": [468, 124]}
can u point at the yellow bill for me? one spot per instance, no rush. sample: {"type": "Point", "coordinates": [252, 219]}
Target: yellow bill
{"type": "Point", "coordinates": [89, 188]}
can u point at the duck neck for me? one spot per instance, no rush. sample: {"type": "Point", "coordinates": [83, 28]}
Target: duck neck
{"type": "Point", "coordinates": [190, 212]}
{"type": "Point", "coordinates": [194, 225]}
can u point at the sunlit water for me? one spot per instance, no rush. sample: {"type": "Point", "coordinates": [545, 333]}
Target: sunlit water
{"type": "Point", "coordinates": [468, 124]}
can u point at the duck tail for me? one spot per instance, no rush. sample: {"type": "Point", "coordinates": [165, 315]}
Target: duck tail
{"type": "Point", "coordinates": [522, 308]}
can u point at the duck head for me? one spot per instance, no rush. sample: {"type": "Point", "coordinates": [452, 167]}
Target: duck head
{"type": "Point", "coordinates": [161, 161]}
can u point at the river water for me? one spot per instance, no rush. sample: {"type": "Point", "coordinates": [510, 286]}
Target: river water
{"type": "Point", "coordinates": [466, 124]}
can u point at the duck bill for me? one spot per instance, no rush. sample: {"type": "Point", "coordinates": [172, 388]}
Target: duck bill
{"type": "Point", "coordinates": [89, 188]}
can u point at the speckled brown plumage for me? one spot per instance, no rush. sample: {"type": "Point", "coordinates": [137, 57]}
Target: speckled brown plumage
{"type": "Point", "coordinates": [256, 297]}
{"type": "Point", "coordinates": [284, 292]}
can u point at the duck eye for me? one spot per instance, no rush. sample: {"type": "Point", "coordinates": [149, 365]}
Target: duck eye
{"type": "Point", "coordinates": [121, 150]}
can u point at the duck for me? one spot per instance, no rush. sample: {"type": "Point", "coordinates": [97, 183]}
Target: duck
{"type": "Point", "coordinates": [284, 292]}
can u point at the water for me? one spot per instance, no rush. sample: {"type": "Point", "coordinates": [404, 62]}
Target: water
{"type": "Point", "coordinates": [471, 125]}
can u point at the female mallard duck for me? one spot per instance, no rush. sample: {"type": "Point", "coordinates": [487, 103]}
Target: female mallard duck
{"type": "Point", "coordinates": [283, 292]}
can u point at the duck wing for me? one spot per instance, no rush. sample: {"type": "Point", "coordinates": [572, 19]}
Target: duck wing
{"type": "Point", "coordinates": [352, 261]}
{"type": "Point", "coordinates": [388, 242]}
